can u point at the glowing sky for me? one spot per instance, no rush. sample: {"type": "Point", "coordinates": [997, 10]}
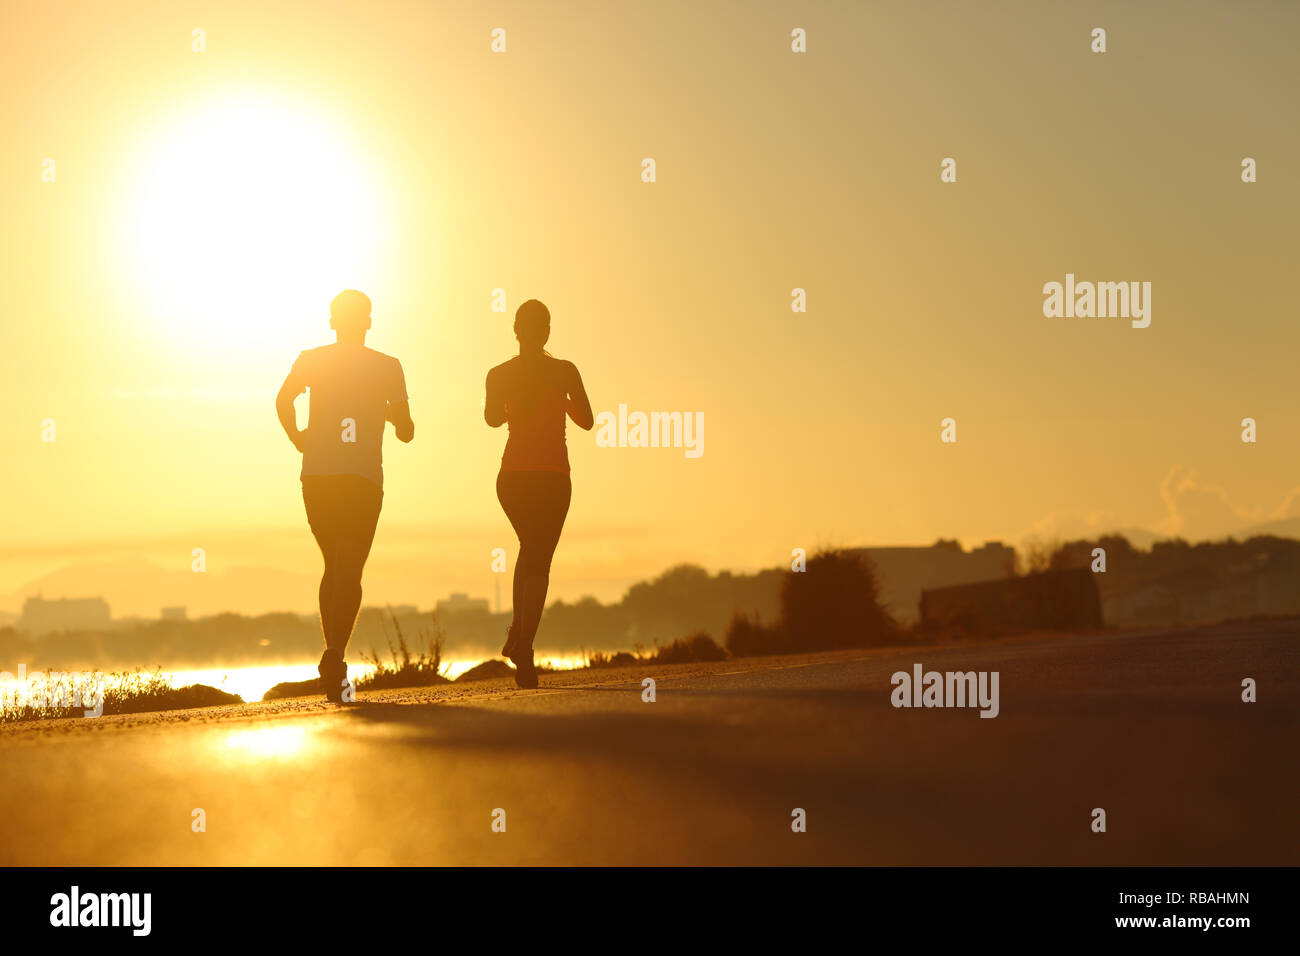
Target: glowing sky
{"type": "Point", "coordinates": [208, 205]}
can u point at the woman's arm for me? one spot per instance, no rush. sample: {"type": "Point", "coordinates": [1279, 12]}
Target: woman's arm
{"type": "Point", "coordinates": [576, 402]}
{"type": "Point", "coordinates": [494, 406]}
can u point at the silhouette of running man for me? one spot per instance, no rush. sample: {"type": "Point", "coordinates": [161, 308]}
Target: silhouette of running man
{"type": "Point", "coordinates": [353, 392]}
{"type": "Point", "coordinates": [534, 392]}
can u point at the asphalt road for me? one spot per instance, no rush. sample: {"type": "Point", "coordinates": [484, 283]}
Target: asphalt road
{"type": "Point", "coordinates": [1149, 726]}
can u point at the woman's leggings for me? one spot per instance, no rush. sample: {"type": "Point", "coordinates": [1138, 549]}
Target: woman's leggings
{"type": "Point", "coordinates": [536, 502]}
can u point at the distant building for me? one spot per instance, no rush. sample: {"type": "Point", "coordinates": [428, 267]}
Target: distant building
{"type": "Point", "coordinates": [173, 614]}
{"type": "Point", "coordinates": [1149, 604]}
{"type": "Point", "coordinates": [906, 572]}
{"type": "Point", "coordinates": [461, 603]}
{"type": "Point", "coordinates": [1052, 600]}
{"type": "Point", "coordinates": [63, 614]}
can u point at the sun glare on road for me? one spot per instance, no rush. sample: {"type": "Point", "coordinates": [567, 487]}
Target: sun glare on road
{"type": "Point", "coordinates": [269, 741]}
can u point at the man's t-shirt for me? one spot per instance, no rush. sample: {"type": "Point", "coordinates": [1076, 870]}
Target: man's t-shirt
{"type": "Point", "coordinates": [350, 387]}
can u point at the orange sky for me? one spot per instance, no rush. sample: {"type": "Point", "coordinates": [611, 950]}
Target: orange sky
{"type": "Point", "coordinates": [208, 205]}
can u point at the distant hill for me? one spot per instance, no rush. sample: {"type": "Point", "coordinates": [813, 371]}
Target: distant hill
{"type": "Point", "coordinates": [1175, 582]}
{"type": "Point", "coordinates": [230, 587]}
{"type": "Point", "coordinates": [1282, 528]}
{"type": "Point", "coordinates": [1169, 582]}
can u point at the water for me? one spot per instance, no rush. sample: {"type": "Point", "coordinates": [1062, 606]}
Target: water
{"type": "Point", "coordinates": [253, 681]}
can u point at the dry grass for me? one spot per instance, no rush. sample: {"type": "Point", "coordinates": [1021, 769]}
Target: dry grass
{"type": "Point", "coordinates": [132, 693]}
{"type": "Point", "coordinates": [420, 669]}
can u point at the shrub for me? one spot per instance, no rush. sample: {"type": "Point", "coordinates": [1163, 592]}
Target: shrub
{"type": "Point", "coordinates": [617, 659]}
{"type": "Point", "coordinates": [834, 604]}
{"type": "Point", "coordinates": [407, 670]}
{"type": "Point", "coordinates": [746, 638]}
{"type": "Point", "coordinates": [690, 649]}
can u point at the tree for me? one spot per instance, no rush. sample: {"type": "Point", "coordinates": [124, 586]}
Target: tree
{"type": "Point", "coordinates": [834, 603]}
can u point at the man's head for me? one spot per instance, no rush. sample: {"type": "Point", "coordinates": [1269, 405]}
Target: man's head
{"type": "Point", "coordinates": [532, 325]}
{"type": "Point", "coordinates": [350, 314]}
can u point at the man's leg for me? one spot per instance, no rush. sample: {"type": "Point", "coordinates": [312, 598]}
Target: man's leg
{"type": "Point", "coordinates": [321, 498]}
{"type": "Point", "coordinates": [320, 518]}
{"type": "Point", "coordinates": [325, 600]}
{"type": "Point", "coordinates": [345, 593]}
{"type": "Point", "coordinates": [350, 551]}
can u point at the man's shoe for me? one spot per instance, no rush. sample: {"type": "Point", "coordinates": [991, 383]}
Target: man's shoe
{"type": "Point", "coordinates": [333, 672]}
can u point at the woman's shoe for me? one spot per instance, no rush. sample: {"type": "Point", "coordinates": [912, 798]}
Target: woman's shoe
{"type": "Point", "coordinates": [525, 671]}
{"type": "Point", "coordinates": [509, 649]}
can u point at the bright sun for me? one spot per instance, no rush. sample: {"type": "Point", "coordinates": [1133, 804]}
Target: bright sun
{"type": "Point", "coordinates": [245, 218]}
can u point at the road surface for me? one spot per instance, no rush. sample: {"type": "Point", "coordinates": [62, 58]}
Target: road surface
{"type": "Point", "coordinates": [1148, 726]}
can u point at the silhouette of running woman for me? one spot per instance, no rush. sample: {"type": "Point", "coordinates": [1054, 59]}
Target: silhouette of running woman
{"type": "Point", "coordinates": [534, 392]}
{"type": "Point", "coordinates": [353, 392]}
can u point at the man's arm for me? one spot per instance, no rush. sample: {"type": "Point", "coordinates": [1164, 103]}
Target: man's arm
{"type": "Point", "coordinates": [399, 406]}
{"type": "Point", "coordinates": [290, 390]}
{"type": "Point", "coordinates": [399, 413]}
{"type": "Point", "coordinates": [494, 406]}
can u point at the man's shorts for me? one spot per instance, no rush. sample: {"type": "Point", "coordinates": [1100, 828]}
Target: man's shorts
{"type": "Point", "coordinates": [342, 507]}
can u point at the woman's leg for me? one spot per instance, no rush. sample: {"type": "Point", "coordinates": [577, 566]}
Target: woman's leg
{"type": "Point", "coordinates": [550, 507]}
{"type": "Point", "coordinates": [511, 494]}
{"type": "Point", "coordinates": [536, 503]}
